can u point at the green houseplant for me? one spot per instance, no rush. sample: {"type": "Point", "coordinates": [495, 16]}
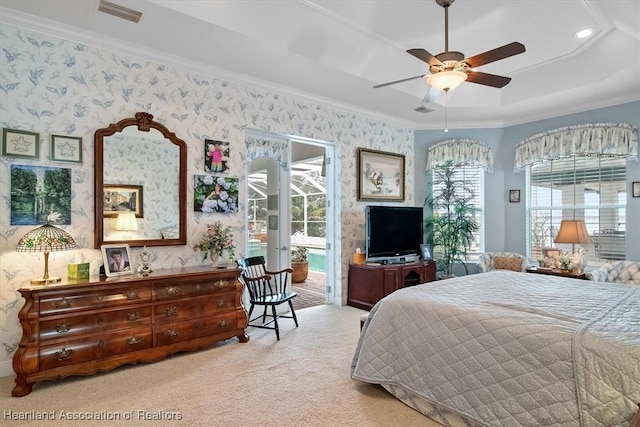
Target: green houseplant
{"type": "Point", "coordinates": [454, 219]}
{"type": "Point", "coordinates": [299, 264]}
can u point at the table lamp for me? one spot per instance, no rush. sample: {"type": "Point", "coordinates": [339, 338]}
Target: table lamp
{"type": "Point", "coordinates": [126, 222]}
{"type": "Point", "coordinates": [573, 231]}
{"type": "Point", "coordinates": [47, 238]}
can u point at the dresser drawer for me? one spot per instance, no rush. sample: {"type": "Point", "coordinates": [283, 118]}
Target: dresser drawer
{"type": "Point", "coordinates": [193, 307]}
{"type": "Point", "coordinates": [106, 321]}
{"type": "Point", "coordinates": [191, 288]}
{"type": "Point", "coordinates": [56, 303]}
{"type": "Point", "coordinates": [94, 347]}
{"type": "Point", "coordinates": [182, 331]}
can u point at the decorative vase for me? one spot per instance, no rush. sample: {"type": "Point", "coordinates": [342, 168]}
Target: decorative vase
{"type": "Point", "coordinates": [217, 260]}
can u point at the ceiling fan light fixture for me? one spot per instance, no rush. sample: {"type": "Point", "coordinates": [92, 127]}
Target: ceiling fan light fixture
{"type": "Point", "coordinates": [447, 80]}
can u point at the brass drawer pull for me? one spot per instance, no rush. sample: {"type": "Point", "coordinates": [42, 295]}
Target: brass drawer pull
{"type": "Point", "coordinates": [100, 320]}
{"type": "Point", "coordinates": [134, 340]}
{"type": "Point", "coordinates": [63, 303]}
{"type": "Point", "coordinates": [132, 295]}
{"type": "Point", "coordinates": [222, 303]}
{"type": "Point", "coordinates": [172, 333]}
{"type": "Point", "coordinates": [171, 311]}
{"type": "Point", "coordinates": [63, 328]}
{"type": "Point", "coordinates": [224, 322]}
{"type": "Point", "coordinates": [173, 290]}
{"type": "Point", "coordinates": [221, 284]}
{"type": "Point", "coordinates": [132, 317]}
{"type": "Point", "coordinates": [102, 345]}
{"type": "Point", "coordinates": [63, 354]}
{"type": "Point", "coordinates": [100, 298]}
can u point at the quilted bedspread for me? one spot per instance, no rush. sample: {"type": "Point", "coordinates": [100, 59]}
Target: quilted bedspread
{"type": "Point", "coordinates": [510, 349]}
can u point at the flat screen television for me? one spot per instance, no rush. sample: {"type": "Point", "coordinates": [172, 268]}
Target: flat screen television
{"type": "Point", "coordinates": [392, 232]}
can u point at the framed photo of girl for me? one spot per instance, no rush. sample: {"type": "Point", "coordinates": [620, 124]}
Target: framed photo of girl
{"type": "Point", "coordinates": [117, 259]}
{"type": "Point", "coordinates": [216, 156]}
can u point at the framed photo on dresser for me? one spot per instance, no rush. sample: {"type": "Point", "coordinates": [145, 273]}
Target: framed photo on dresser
{"type": "Point", "coordinates": [117, 260]}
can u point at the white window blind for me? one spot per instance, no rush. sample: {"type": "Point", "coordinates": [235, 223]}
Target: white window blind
{"type": "Point", "coordinates": [473, 177]}
{"type": "Point", "coordinates": [589, 188]}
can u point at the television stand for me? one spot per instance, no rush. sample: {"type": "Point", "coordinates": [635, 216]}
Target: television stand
{"type": "Point", "coordinates": [368, 284]}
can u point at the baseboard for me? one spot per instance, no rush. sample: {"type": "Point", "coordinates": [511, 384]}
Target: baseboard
{"type": "Point", "coordinates": [6, 368]}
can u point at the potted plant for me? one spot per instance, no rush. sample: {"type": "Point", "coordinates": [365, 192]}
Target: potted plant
{"type": "Point", "coordinates": [299, 264]}
{"type": "Point", "coordinates": [453, 222]}
{"type": "Point", "coordinates": [215, 241]}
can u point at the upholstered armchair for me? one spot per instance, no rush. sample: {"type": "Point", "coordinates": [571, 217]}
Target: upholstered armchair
{"type": "Point", "coordinates": [617, 272]}
{"type": "Point", "coordinates": [502, 261]}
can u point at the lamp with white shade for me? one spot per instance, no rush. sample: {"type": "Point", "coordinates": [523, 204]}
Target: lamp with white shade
{"type": "Point", "coordinates": [574, 231]}
{"type": "Point", "coordinates": [126, 222]}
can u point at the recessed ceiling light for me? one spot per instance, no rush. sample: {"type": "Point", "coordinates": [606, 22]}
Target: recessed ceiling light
{"type": "Point", "coordinates": [584, 33]}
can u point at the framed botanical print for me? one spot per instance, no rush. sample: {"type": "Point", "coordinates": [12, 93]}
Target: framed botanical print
{"type": "Point", "coordinates": [20, 143]}
{"type": "Point", "coordinates": [380, 175]}
{"type": "Point", "coordinates": [66, 149]}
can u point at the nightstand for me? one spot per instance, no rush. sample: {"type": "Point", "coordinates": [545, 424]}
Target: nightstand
{"type": "Point", "coordinates": [557, 272]}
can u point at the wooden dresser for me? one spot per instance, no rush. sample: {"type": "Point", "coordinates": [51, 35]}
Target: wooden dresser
{"type": "Point", "coordinates": [83, 327]}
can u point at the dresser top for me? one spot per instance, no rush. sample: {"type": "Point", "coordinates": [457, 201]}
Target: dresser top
{"type": "Point", "coordinates": [135, 277]}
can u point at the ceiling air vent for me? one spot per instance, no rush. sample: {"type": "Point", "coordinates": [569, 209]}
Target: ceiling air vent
{"type": "Point", "coordinates": [423, 110]}
{"type": "Point", "coordinates": [119, 11]}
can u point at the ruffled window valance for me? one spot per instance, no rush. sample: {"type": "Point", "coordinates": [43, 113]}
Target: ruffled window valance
{"type": "Point", "coordinates": [259, 147]}
{"type": "Point", "coordinates": [588, 140]}
{"type": "Point", "coordinates": [461, 152]}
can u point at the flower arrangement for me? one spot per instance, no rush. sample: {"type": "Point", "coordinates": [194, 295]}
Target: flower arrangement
{"type": "Point", "coordinates": [299, 254]}
{"type": "Point", "coordinates": [564, 262]}
{"type": "Point", "coordinates": [217, 239]}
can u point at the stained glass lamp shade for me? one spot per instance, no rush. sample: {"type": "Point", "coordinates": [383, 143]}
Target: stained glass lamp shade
{"type": "Point", "coordinates": [47, 238]}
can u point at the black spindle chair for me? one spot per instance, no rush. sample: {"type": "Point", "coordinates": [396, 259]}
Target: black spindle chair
{"type": "Point", "coordinates": [267, 289]}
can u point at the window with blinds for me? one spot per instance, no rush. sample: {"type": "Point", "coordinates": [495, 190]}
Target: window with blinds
{"type": "Point", "coordinates": [592, 189]}
{"type": "Point", "coordinates": [473, 177]}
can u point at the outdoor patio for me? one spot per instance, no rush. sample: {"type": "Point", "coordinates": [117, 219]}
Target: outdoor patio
{"type": "Point", "coordinates": [311, 292]}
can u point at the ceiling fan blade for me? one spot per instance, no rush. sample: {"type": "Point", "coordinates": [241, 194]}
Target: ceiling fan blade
{"type": "Point", "coordinates": [399, 81]}
{"type": "Point", "coordinates": [488, 79]}
{"type": "Point", "coordinates": [425, 56]}
{"type": "Point", "coordinates": [431, 95]}
{"type": "Point", "coordinates": [495, 54]}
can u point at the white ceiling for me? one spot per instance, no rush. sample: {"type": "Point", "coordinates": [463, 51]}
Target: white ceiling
{"type": "Point", "coordinates": [335, 51]}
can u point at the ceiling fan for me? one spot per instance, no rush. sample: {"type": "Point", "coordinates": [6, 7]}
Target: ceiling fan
{"type": "Point", "coordinates": [450, 68]}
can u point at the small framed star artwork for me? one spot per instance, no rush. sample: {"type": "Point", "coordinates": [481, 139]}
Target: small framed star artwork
{"type": "Point", "coordinates": [66, 149]}
{"type": "Point", "coordinates": [20, 143]}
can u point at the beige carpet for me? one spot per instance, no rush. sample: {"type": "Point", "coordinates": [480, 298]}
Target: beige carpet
{"type": "Point", "coordinates": [302, 380]}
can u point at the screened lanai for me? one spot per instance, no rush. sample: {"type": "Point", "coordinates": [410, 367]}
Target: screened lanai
{"type": "Point", "coordinates": [308, 221]}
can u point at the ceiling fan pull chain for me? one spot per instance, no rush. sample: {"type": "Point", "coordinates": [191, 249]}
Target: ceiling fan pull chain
{"type": "Point", "coordinates": [446, 105]}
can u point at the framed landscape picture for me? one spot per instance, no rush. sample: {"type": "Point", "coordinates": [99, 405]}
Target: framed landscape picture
{"type": "Point", "coordinates": [118, 198]}
{"type": "Point", "coordinates": [380, 175]}
{"type": "Point", "coordinates": [38, 191]}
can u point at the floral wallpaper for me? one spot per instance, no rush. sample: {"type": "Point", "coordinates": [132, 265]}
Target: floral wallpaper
{"type": "Point", "coordinates": [55, 86]}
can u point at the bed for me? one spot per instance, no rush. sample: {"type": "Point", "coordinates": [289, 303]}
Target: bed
{"type": "Point", "coordinates": [506, 348]}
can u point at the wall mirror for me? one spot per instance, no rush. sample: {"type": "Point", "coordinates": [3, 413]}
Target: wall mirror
{"type": "Point", "coordinates": [140, 184]}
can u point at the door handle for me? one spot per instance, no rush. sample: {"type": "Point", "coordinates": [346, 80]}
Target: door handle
{"type": "Point", "coordinates": [284, 248]}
